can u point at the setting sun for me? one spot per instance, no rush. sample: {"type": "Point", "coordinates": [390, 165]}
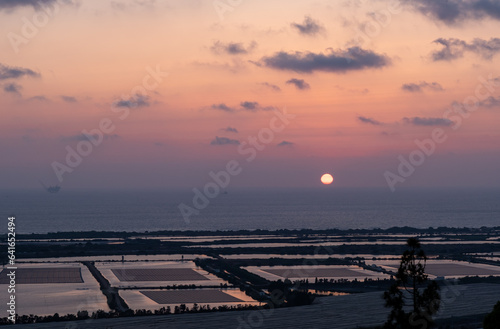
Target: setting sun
{"type": "Point", "coordinates": [326, 179]}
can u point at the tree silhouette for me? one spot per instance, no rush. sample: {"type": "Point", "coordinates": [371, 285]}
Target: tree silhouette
{"type": "Point", "coordinates": [492, 320]}
{"type": "Point", "coordinates": [411, 305]}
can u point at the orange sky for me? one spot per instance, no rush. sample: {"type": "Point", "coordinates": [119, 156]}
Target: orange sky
{"type": "Point", "coordinates": [350, 122]}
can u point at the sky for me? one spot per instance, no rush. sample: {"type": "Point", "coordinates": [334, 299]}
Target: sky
{"type": "Point", "coordinates": [159, 94]}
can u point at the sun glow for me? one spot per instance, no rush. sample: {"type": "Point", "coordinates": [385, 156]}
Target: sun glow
{"type": "Point", "coordinates": [326, 179]}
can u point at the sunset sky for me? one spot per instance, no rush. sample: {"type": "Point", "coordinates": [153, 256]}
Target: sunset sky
{"type": "Point", "coordinates": [186, 83]}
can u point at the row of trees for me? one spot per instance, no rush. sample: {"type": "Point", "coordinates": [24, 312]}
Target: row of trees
{"type": "Point", "coordinates": [100, 314]}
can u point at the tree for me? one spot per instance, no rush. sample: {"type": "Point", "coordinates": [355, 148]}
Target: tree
{"type": "Point", "coordinates": [412, 305]}
{"type": "Point", "coordinates": [492, 320]}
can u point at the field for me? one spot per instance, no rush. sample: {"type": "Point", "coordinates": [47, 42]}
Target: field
{"type": "Point", "coordinates": [45, 289]}
{"type": "Point", "coordinates": [150, 282]}
{"type": "Point", "coordinates": [314, 272]}
{"type": "Point", "coordinates": [460, 270]}
{"type": "Point", "coordinates": [44, 275]}
{"type": "Point", "coordinates": [190, 296]}
{"type": "Point", "coordinates": [448, 269]}
{"type": "Point", "coordinates": [157, 274]}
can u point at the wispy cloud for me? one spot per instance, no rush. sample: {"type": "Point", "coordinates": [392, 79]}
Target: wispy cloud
{"type": "Point", "coordinates": [222, 107]}
{"type": "Point", "coordinates": [224, 141]}
{"type": "Point", "coordinates": [308, 27]}
{"type": "Point", "coordinates": [490, 102]}
{"type": "Point", "coordinates": [249, 106]}
{"type": "Point", "coordinates": [234, 65]}
{"type": "Point", "coordinates": [286, 144]}
{"type": "Point", "coordinates": [85, 137]}
{"type": "Point", "coordinates": [232, 48]}
{"type": "Point", "coordinates": [133, 102]}
{"type": "Point", "coordinates": [369, 121]}
{"type": "Point", "coordinates": [419, 87]}
{"type": "Point", "coordinates": [68, 99]}
{"type": "Point", "coordinates": [356, 91]}
{"type": "Point", "coordinates": [40, 98]}
{"type": "Point", "coordinates": [339, 61]}
{"type": "Point", "coordinates": [455, 48]}
{"type": "Point", "coordinates": [230, 130]}
{"type": "Point", "coordinates": [271, 86]}
{"type": "Point", "coordinates": [12, 72]}
{"type": "Point", "coordinates": [133, 5]}
{"type": "Point", "coordinates": [13, 88]}
{"type": "Point", "coordinates": [418, 121]}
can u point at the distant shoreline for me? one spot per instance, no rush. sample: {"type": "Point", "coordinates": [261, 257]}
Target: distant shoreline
{"type": "Point", "coordinates": [283, 232]}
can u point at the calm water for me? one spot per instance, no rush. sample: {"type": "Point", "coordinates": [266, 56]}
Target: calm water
{"type": "Point", "coordinates": [38, 211]}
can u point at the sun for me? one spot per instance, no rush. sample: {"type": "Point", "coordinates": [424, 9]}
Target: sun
{"type": "Point", "coordinates": [326, 179]}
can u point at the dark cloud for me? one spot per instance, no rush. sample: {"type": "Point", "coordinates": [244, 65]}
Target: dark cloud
{"type": "Point", "coordinates": [85, 137]}
{"type": "Point", "coordinates": [286, 143]}
{"type": "Point", "coordinates": [68, 99]}
{"type": "Point", "coordinates": [270, 85]}
{"type": "Point", "coordinates": [299, 83]}
{"type": "Point", "coordinates": [455, 48]}
{"type": "Point", "coordinates": [222, 107]}
{"type": "Point", "coordinates": [230, 130]}
{"type": "Point", "coordinates": [452, 49]}
{"type": "Point", "coordinates": [369, 121]}
{"type": "Point", "coordinates": [12, 88]}
{"type": "Point", "coordinates": [133, 102]}
{"type": "Point", "coordinates": [308, 27]}
{"type": "Point", "coordinates": [252, 106]}
{"type": "Point", "coordinates": [414, 87]}
{"type": "Point", "coordinates": [36, 4]}
{"type": "Point", "coordinates": [455, 12]}
{"type": "Point", "coordinates": [418, 121]}
{"type": "Point", "coordinates": [232, 48]}
{"type": "Point", "coordinates": [12, 72]}
{"type": "Point", "coordinates": [224, 141]}
{"type": "Point", "coordinates": [340, 61]}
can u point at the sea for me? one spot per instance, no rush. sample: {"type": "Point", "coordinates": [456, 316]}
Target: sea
{"type": "Point", "coordinates": [38, 211]}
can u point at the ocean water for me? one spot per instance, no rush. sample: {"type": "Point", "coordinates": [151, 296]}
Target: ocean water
{"type": "Point", "coordinates": [37, 211]}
